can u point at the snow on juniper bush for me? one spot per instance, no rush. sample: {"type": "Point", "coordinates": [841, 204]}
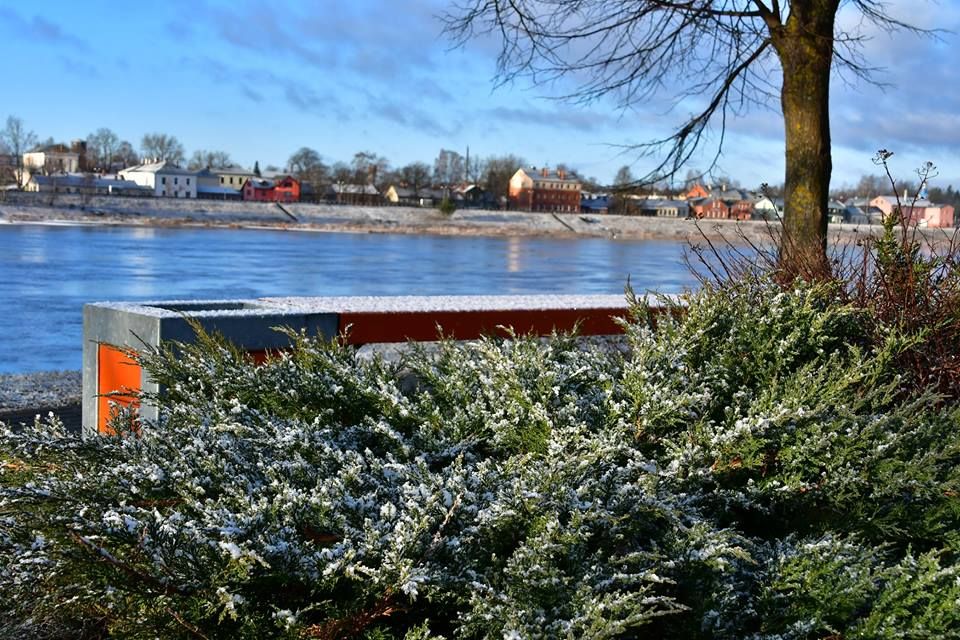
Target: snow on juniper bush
{"type": "Point", "coordinates": [753, 469]}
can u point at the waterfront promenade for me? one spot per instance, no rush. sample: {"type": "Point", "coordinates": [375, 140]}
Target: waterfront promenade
{"type": "Point", "coordinates": [29, 208]}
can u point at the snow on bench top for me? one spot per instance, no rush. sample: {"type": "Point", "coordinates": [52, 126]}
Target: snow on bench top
{"type": "Point", "coordinates": [368, 304]}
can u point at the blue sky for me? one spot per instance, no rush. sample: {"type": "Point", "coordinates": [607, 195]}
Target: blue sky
{"type": "Point", "coordinates": [261, 79]}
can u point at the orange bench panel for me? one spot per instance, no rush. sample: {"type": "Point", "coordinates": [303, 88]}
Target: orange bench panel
{"type": "Point", "coordinates": [116, 372]}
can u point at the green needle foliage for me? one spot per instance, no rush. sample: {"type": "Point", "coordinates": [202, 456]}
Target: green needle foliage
{"type": "Point", "coordinates": [760, 465]}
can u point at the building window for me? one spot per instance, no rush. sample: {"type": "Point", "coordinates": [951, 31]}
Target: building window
{"type": "Point", "coordinates": [163, 180]}
{"type": "Point", "coordinates": [188, 181]}
{"type": "Point", "coordinates": [176, 181]}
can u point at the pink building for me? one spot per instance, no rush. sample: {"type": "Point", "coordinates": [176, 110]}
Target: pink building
{"type": "Point", "coordinates": [923, 213]}
{"type": "Point", "coordinates": [885, 203]}
{"type": "Point", "coordinates": [939, 216]}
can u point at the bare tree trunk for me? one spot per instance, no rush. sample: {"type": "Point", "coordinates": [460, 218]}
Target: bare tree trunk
{"type": "Point", "coordinates": [805, 47]}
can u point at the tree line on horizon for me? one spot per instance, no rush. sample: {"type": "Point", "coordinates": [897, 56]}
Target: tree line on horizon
{"type": "Point", "coordinates": [106, 151]}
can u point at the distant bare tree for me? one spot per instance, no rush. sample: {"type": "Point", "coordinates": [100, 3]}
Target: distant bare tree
{"type": "Point", "coordinates": [162, 147]}
{"type": "Point", "coordinates": [724, 55]}
{"type": "Point", "coordinates": [590, 184]}
{"type": "Point", "coordinates": [305, 165]}
{"type": "Point", "coordinates": [448, 168]}
{"type": "Point", "coordinates": [18, 140]}
{"type": "Point", "coordinates": [342, 173]}
{"type": "Point", "coordinates": [102, 146]}
{"type": "Point", "coordinates": [872, 186]}
{"type": "Point", "coordinates": [369, 168]}
{"type": "Point", "coordinates": [416, 176]}
{"type": "Point", "coordinates": [302, 161]}
{"type": "Point", "coordinates": [497, 173]}
{"type": "Point", "coordinates": [126, 154]}
{"type": "Point", "coordinates": [203, 158]}
{"type": "Point", "coordinates": [624, 178]}
{"type": "Point", "coordinates": [623, 183]}
{"type": "Point", "coordinates": [693, 177]}
{"type": "Point", "coordinates": [7, 172]}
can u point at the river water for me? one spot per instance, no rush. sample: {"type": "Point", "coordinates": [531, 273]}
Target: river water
{"type": "Point", "coordinates": [47, 273]}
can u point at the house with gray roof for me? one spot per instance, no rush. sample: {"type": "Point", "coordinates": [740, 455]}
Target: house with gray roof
{"type": "Point", "coordinates": [209, 187]}
{"type": "Point", "coordinates": [165, 179]}
{"type": "Point", "coordinates": [86, 184]}
{"type": "Point", "coordinates": [664, 208]}
{"type": "Point", "coordinates": [361, 194]}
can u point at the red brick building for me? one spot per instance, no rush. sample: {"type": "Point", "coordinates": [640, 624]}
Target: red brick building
{"type": "Point", "coordinates": [742, 209]}
{"type": "Point", "coordinates": [282, 189]}
{"type": "Point", "coordinates": [544, 190]}
{"type": "Point", "coordinates": [715, 208]}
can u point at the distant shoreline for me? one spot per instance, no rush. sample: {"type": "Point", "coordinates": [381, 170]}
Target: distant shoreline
{"type": "Point", "coordinates": [36, 209]}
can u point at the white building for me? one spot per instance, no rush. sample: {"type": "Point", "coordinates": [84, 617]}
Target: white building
{"type": "Point", "coordinates": [767, 208]}
{"type": "Point", "coordinates": [56, 158]}
{"type": "Point", "coordinates": [166, 180]}
{"type": "Point", "coordinates": [84, 183]}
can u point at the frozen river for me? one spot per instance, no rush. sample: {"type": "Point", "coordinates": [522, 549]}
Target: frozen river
{"type": "Point", "coordinates": [47, 273]}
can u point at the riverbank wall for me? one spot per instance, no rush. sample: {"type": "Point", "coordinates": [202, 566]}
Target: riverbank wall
{"type": "Point", "coordinates": [35, 208]}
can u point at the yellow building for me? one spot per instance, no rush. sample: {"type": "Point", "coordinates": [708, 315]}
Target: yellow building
{"type": "Point", "coordinates": [233, 177]}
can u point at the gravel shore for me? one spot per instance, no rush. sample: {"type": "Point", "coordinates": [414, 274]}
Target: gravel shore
{"type": "Point", "coordinates": [25, 395]}
{"type": "Point", "coordinates": [42, 389]}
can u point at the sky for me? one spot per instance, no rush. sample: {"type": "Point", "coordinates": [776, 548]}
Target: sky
{"type": "Point", "coordinates": [262, 79]}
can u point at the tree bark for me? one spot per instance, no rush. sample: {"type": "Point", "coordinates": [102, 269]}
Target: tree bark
{"type": "Point", "coordinates": [805, 48]}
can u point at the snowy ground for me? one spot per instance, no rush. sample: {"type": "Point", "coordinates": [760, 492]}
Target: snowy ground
{"type": "Point", "coordinates": [65, 209]}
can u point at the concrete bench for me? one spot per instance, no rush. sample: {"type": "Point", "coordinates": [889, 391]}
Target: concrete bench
{"type": "Point", "coordinates": [112, 329]}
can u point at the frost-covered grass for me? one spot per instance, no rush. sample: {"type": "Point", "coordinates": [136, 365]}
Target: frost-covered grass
{"type": "Point", "coordinates": [757, 468]}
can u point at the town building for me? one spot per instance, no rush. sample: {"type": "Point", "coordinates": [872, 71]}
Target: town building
{"type": "Point", "coordinates": [55, 158]}
{"type": "Point", "coordinates": [938, 216]}
{"type": "Point", "coordinates": [697, 192]}
{"type": "Point", "coordinates": [724, 204]}
{"type": "Point", "coordinates": [164, 179]}
{"type": "Point", "coordinates": [398, 195]}
{"type": "Point", "coordinates": [713, 208]}
{"type": "Point", "coordinates": [664, 208]}
{"type": "Point", "coordinates": [359, 194]}
{"type": "Point", "coordinates": [767, 208]}
{"type": "Point", "coordinates": [852, 214]}
{"type": "Point", "coordinates": [233, 176]}
{"type": "Point", "coordinates": [209, 187]}
{"type": "Point", "coordinates": [473, 196]}
{"type": "Point", "coordinates": [544, 190]}
{"type": "Point", "coordinates": [285, 189]}
{"type": "Point", "coordinates": [836, 212]}
{"type": "Point", "coordinates": [85, 184]}
{"type": "Point", "coordinates": [742, 209]}
{"type": "Point", "coordinates": [920, 212]}
{"type": "Point", "coordinates": [595, 202]}
{"type": "Point", "coordinates": [886, 204]}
